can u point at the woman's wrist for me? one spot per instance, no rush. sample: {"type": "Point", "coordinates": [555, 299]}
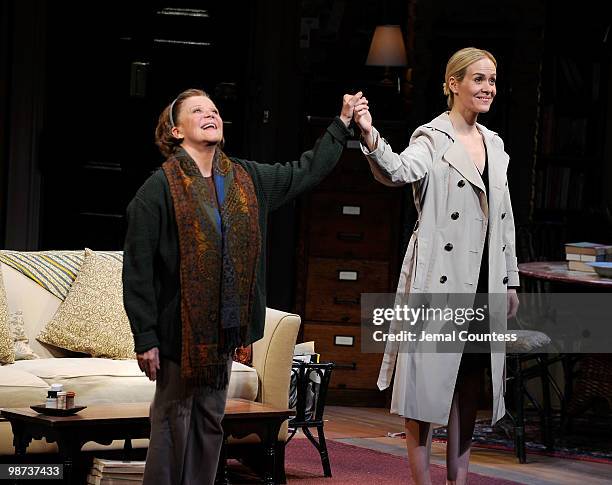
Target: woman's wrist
{"type": "Point", "coordinates": [366, 133]}
{"type": "Point", "coordinates": [368, 139]}
{"type": "Point", "coordinates": [346, 120]}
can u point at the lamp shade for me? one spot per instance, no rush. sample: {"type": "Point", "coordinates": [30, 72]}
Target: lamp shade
{"type": "Point", "coordinates": [387, 47]}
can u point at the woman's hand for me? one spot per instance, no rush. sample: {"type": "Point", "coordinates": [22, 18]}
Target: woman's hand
{"type": "Point", "coordinates": [349, 104]}
{"type": "Point", "coordinates": [149, 362]}
{"type": "Point", "coordinates": [513, 303]}
{"type": "Point", "coordinates": [363, 118]}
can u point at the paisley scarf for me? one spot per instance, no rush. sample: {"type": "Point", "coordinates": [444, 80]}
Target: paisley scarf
{"type": "Point", "coordinates": [220, 245]}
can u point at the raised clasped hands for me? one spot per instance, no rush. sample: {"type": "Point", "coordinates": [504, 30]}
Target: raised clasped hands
{"type": "Point", "coordinates": [351, 104]}
{"type": "Point", "coordinates": [362, 116]}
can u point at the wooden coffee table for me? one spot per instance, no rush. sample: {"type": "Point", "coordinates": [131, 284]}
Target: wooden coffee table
{"type": "Point", "coordinates": [101, 423]}
{"type": "Point", "coordinates": [105, 423]}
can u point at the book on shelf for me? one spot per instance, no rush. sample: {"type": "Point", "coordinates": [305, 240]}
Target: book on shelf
{"type": "Point", "coordinates": [589, 248]}
{"type": "Point", "coordinates": [548, 129]}
{"type": "Point", "coordinates": [580, 266]}
{"type": "Point", "coordinates": [558, 187]}
{"type": "Point", "coordinates": [575, 195]}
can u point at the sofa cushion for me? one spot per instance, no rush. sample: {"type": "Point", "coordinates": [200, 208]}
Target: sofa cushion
{"type": "Point", "coordinates": [7, 351]}
{"type": "Point", "coordinates": [92, 318]}
{"type": "Point", "coordinates": [49, 369]}
{"type": "Point", "coordinates": [243, 382]}
{"type": "Point", "coordinates": [96, 380]}
{"type": "Point", "coordinates": [19, 388]}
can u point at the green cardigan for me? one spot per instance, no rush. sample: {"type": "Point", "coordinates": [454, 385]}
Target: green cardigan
{"type": "Point", "coordinates": [151, 269]}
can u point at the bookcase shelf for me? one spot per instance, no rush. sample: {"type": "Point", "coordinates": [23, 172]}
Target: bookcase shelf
{"type": "Point", "coordinates": [572, 122]}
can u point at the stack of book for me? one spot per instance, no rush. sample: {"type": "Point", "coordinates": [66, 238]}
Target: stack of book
{"type": "Point", "coordinates": [115, 472]}
{"type": "Point", "coordinates": [580, 253]}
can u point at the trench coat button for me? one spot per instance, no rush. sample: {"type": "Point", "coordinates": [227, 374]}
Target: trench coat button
{"type": "Point", "coordinates": [443, 279]}
{"type": "Point", "coordinates": [461, 183]}
{"type": "Point", "coordinates": [504, 248]}
{"type": "Point", "coordinates": [448, 247]}
{"type": "Point", "coordinates": [455, 216]}
{"type": "Point", "coordinates": [505, 280]}
{"type": "Point", "coordinates": [503, 215]}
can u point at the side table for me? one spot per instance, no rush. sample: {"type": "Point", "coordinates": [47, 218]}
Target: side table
{"type": "Point", "coordinates": [311, 383]}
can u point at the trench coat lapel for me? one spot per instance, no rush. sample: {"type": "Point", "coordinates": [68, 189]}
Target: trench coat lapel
{"type": "Point", "coordinates": [456, 155]}
{"type": "Point", "coordinates": [459, 159]}
{"type": "Point", "coordinates": [497, 161]}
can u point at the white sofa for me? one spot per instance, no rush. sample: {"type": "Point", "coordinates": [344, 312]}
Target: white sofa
{"type": "Point", "coordinates": [95, 380]}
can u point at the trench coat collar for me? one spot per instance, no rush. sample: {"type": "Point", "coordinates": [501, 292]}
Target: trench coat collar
{"type": "Point", "coordinates": [457, 156]}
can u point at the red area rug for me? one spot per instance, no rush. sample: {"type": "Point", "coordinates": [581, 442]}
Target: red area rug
{"type": "Point", "coordinates": [350, 465]}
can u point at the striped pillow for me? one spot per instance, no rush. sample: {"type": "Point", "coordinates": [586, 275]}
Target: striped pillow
{"type": "Point", "coordinates": [55, 271]}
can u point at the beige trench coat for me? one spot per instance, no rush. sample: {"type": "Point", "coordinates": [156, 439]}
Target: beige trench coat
{"type": "Point", "coordinates": [453, 208]}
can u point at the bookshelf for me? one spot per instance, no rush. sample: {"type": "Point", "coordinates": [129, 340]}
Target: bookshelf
{"type": "Point", "coordinates": [568, 155]}
{"type": "Point", "coordinates": [570, 151]}
{"type": "Point", "coordinates": [567, 189]}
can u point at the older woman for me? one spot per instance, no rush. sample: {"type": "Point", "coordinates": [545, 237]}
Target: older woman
{"type": "Point", "coordinates": [463, 243]}
{"type": "Point", "coordinates": [194, 273]}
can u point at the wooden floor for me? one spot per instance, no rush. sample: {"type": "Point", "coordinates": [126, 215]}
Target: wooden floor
{"type": "Point", "coordinates": [369, 427]}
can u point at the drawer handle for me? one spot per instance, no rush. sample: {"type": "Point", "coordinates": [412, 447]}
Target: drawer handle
{"type": "Point", "coordinates": [347, 301]}
{"type": "Point", "coordinates": [351, 366]}
{"type": "Point", "coordinates": [351, 210]}
{"type": "Point", "coordinates": [347, 275]}
{"type": "Point", "coordinates": [350, 236]}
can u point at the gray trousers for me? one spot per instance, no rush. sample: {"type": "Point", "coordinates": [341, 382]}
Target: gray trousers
{"type": "Point", "coordinates": [186, 432]}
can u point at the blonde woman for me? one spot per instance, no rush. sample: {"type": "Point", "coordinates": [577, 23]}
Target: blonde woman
{"type": "Point", "coordinates": [464, 243]}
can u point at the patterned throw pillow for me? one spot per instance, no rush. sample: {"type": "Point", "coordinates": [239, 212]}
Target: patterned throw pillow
{"type": "Point", "coordinates": [7, 353]}
{"type": "Point", "coordinates": [92, 319]}
{"type": "Point", "coordinates": [23, 351]}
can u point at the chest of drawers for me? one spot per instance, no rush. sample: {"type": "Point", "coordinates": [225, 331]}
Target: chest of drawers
{"type": "Point", "coordinates": [349, 244]}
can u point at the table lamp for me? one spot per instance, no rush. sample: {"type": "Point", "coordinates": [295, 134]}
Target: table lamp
{"type": "Point", "coordinates": [387, 49]}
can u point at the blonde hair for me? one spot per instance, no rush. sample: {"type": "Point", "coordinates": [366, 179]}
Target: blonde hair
{"type": "Point", "coordinates": [165, 141]}
{"type": "Point", "coordinates": [457, 66]}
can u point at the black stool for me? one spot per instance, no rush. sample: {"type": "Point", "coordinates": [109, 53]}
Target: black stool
{"type": "Point", "coordinates": [308, 392]}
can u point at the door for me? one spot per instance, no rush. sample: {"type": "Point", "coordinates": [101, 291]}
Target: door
{"type": "Point", "coordinates": [112, 67]}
